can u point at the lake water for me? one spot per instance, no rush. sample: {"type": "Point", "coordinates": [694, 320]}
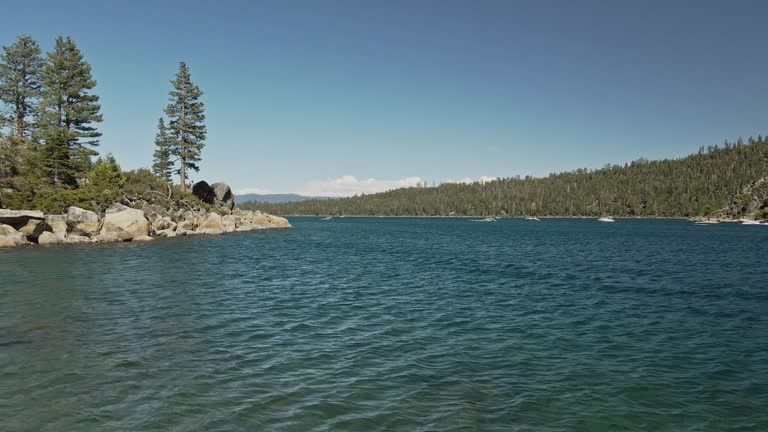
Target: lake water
{"type": "Point", "coordinates": [392, 324]}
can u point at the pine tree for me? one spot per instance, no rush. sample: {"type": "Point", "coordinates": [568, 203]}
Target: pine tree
{"type": "Point", "coordinates": [20, 70]}
{"type": "Point", "coordinates": [67, 103]}
{"type": "Point", "coordinates": [187, 126]}
{"type": "Point", "coordinates": [163, 165]}
{"type": "Point", "coordinates": [56, 158]}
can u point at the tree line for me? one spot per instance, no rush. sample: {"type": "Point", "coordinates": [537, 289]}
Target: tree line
{"type": "Point", "coordinates": [49, 137]}
{"type": "Point", "coordinates": [698, 184]}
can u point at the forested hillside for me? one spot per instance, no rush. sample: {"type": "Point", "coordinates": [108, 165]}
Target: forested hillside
{"type": "Point", "coordinates": [698, 184]}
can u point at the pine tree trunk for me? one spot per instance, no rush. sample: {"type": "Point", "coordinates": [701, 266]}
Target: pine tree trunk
{"type": "Point", "coordinates": [183, 158]}
{"type": "Point", "coordinates": [182, 175]}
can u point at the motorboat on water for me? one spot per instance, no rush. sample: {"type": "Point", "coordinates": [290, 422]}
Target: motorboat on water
{"type": "Point", "coordinates": [488, 219]}
{"type": "Point", "coordinates": [707, 222]}
{"type": "Point", "coordinates": [606, 219]}
{"type": "Point", "coordinates": [533, 219]}
{"type": "Point", "coordinates": [327, 218]}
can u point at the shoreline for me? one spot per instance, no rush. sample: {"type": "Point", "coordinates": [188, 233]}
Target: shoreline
{"type": "Point", "coordinates": [500, 217]}
{"type": "Point", "coordinates": [121, 223]}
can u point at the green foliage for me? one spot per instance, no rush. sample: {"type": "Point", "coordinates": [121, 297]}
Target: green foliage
{"type": "Point", "coordinates": [56, 160]}
{"type": "Point", "coordinates": [106, 173]}
{"type": "Point", "coordinates": [20, 71]}
{"type": "Point", "coordinates": [162, 164]}
{"type": "Point", "coordinates": [140, 181]}
{"type": "Point", "coordinates": [55, 200]}
{"type": "Point", "coordinates": [690, 186]}
{"type": "Point", "coordinates": [12, 149]}
{"type": "Point", "coordinates": [67, 103]}
{"type": "Point", "coordinates": [187, 122]}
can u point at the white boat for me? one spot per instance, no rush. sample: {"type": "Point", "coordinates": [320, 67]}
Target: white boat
{"type": "Point", "coordinates": [706, 222]}
{"type": "Point", "coordinates": [533, 219]}
{"type": "Point", "coordinates": [488, 219]}
{"type": "Point", "coordinates": [606, 219]}
{"type": "Point", "coordinates": [327, 218]}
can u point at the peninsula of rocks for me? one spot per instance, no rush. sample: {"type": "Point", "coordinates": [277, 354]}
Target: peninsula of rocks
{"type": "Point", "coordinates": [140, 221]}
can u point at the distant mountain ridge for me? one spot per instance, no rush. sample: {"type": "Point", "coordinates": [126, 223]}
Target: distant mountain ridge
{"type": "Point", "coordinates": [274, 198]}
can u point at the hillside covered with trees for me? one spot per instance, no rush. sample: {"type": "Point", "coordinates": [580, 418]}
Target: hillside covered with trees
{"type": "Point", "coordinates": [699, 184]}
{"type": "Point", "coordinates": [49, 137]}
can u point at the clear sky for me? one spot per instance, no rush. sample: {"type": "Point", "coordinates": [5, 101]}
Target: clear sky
{"type": "Point", "coordinates": [335, 97]}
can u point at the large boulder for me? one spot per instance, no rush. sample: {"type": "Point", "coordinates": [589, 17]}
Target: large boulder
{"type": "Point", "coordinates": [82, 222]}
{"type": "Point", "coordinates": [204, 192]}
{"type": "Point", "coordinates": [224, 198]}
{"type": "Point", "coordinates": [211, 224]}
{"type": "Point", "coordinates": [48, 237]}
{"type": "Point", "coordinates": [123, 223]}
{"type": "Point", "coordinates": [10, 237]}
{"type": "Point", "coordinates": [218, 195]}
{"type": "Point", "coordinates": [58, 225]}
{"type": "Point", "coordinates": [19, 218]}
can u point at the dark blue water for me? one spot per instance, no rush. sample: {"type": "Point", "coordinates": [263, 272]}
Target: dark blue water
{"type": "Point", "coordinates": [392, 324]}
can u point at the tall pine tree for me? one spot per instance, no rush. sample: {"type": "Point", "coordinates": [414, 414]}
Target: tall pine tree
{"type": "Point", "coordinates": [20, 69]}
{"type": "Point", "coordinates": [67, 103]}
{"type": "Point", "coordinates": [163, 165]}
{"type": "Point", "coordinates": [56, 160]}
{"type": "Point", "coordinates": [187, 126]}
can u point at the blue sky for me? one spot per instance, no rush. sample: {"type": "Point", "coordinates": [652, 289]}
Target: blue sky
{"type": "Point", "coordinates": [337, 97]}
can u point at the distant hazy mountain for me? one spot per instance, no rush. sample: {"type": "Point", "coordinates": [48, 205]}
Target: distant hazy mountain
{"type": "Point", "coordinates": [273, 198]}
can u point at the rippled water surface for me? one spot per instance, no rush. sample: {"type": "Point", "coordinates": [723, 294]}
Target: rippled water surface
{"type": "Point", "coordinates": [392, 324]}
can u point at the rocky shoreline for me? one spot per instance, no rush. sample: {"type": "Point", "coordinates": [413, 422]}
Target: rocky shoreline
{"type": "Point", "coordinates": [141, 222]}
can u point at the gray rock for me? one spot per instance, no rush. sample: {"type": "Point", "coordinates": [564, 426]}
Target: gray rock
{"type": "Point", "coordinates": [82, 222]}
{"type": "Point", "coordinates": [19, 218]}
{"type": "Point", "coordinates": [123, 223]}
{"type": "Point", "coordinates": [58, 224]}
{"type": "Point", "coordinates": [211, 224]}
{"type": "Point", "coordinates": [10, 237]}
{"type": "Point", "coordinates": [48, 237]}
{"type": "Point", "coordinates": [223, 196]}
